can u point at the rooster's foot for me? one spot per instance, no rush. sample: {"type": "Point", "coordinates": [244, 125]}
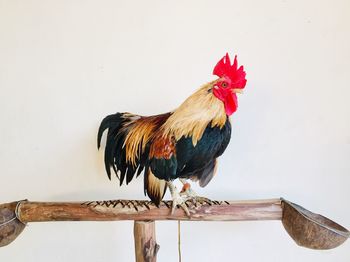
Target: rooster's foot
{"type": "Point", "coordinates": [190, 194]}
{"type": "Point", "coordinates": [177, 200]}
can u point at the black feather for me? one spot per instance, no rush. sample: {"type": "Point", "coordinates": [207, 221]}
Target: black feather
{"type": "Point", "coordinates": [109, 122]}
{"type": "Point", "coordinates": [206, 174]}
{"type": "Point", "coordinates": [122, 168]}
{"type": "Point", "coordinates": [130, 174]}
{"type": "Point", "coordinates": [199, 161]}
{"type": "Point", "coordinates": [145, 180]}
{"type": "Point", "coordinates": [143, 160]}
{"type": "Point", "coordinates": [139, 169]}
{"type": "Point", "coordinates": [164, 168]}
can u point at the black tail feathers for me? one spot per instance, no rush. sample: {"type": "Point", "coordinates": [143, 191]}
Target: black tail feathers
{"type": "Point", "coordinates": [115, 151]}
{"type": "Point", "coordinates": [113, 123]}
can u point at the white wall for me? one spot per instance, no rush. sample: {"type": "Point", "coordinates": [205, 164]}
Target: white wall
{"type": "Point", "coordinates": [64, 65]}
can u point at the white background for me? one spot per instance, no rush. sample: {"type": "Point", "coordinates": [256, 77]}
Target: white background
{"type": "Point", "coordinates": [64, 65]}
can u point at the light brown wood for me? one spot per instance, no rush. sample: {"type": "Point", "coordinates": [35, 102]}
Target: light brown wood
{"type": "Point", "coordinates": [146, 247]}
{"type": "Point", "coordinates": [145, 210]}
{"type": "Point", "coordinates": [306, 228]}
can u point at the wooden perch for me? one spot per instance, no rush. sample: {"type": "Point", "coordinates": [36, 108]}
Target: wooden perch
{"type": "Point", "coordinates": [306, 228]}
{"type": "Point", "coordinates": [146, 210]}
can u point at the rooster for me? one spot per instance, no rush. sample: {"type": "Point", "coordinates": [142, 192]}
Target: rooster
{"type": "Point", "coordinates": [182, 144]}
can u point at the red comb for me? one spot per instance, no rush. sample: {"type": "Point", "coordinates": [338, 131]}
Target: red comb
{"type": "Point", "coordinates": [224, 69]}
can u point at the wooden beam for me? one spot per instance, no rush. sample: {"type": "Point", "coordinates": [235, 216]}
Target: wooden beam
{"type": "Point", "coordinates": [145, 210]}
{"type": "Point", "coordinates": [306, 228]}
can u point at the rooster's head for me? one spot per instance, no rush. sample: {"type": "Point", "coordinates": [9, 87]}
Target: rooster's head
{"type": "Point", "coordinates": [232, 80]}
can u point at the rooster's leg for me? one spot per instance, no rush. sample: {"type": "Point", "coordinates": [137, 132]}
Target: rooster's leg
{"type": "Point", "coordinates": [187, 190]}
{"type": "Point", "coordinates": [190, 193]}
{"type": "Point", "coordinates": [177, 199]}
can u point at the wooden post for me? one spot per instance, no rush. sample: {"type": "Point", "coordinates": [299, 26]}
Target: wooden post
{"type": "Point", "coordinates": [146, 247]}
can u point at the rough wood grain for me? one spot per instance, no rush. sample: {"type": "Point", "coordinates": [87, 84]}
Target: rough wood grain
{"type": "Point", "coordinates": [306, 228]}
{"type": "Point", "coordinates": [145, 210]}
{"type": "Point", "coordinates": [146, 247]}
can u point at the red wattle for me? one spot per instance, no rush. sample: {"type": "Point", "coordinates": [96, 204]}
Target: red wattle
{"type": "Point", "coordinates": [231, 103]}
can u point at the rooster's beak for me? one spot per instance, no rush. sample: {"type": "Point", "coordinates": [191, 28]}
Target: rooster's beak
{"type": "Point", "coordinates": [237, 90]}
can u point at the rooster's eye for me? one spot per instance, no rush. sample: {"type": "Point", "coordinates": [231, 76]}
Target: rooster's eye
{"type": "Point", "coordinates": [224, 84]}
